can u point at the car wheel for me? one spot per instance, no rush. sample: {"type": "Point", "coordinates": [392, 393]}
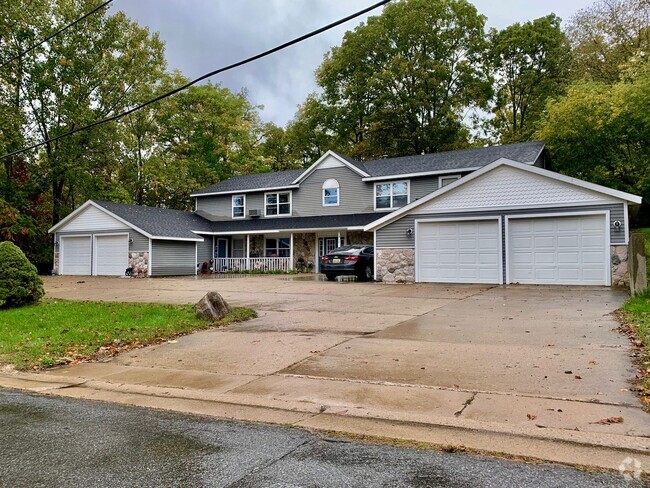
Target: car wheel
{"type": "Point", "coordinates": [330, 277]}
{"type": "Point", "coordinates": [369, 274]}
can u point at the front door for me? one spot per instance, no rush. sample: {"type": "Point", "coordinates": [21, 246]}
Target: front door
{"type": "Point", "coordinates": [326, 245]}
{"type": "Point", "coordinates": [221, 248]}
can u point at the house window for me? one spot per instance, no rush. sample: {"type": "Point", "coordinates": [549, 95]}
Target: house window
{"type": "Point", "coordinates": [238, 248]}
{"type": "Point", "coordinates": [277, 247]}
{"type": "Point", "coordinates": [446, 180]}
{"type": "Point", "coordinates": [238, 206]}
{"type": "Point", "coordinates": [330, 193]}
{"type": "Point", "coordinates": [278, 203]}
{"type": "Point", "coordinates": [391, 195]}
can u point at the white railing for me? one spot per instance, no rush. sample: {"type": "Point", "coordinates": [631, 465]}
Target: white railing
{"type": "Point", "coordinates": [234, 265]}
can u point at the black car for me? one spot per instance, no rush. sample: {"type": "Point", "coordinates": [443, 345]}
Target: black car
{"type": "Point", "coordinates": [349, 260]}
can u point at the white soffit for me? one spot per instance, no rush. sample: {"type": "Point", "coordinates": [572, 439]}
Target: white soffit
{"type": "Point", "coordinates": [507, 186]}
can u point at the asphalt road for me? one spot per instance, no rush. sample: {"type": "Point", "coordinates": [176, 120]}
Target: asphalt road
{"type": "Point", "coordinates": [46, 441]}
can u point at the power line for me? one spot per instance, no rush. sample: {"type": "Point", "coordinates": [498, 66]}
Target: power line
{"type": "Point", "coordinates": [201, 78]}
{"type": "Point", "coordinates": [62, 29]}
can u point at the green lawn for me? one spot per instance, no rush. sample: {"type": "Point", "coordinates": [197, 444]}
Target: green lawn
{"type": "Point", "coordinates": [60, 331]}
{"type": "Point", "coordinates": [637, 316]}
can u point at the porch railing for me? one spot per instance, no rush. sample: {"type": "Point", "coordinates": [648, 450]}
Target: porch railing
{"type": "Point", "coordinates": [234, 265]}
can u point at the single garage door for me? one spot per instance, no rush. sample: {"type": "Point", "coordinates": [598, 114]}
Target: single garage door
{"type": "Point", "coordinates": [75, 255]}
{"type": "Point", "coordinates": [558, 250]}
{"type": "Point", "coordinates": [459, 252]}
{"type": "Point", "coordinates": [111, 255]}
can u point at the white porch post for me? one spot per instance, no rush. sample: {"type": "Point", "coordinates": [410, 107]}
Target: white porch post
{"type": "Point", "coordinates": [248, 252]}
{"type": "Point", "coordinates": [338, 242]}
{"type": "Point", "coordinates": [291, 253]}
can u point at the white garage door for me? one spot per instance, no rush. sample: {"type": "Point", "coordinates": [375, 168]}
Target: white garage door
{"type": "Point", "coordinates": [558, 250]}
{"type": "Point", "coordinates": [459, 252]}
{"type": "Point", "coordinates": [111, 255]}
{"type": "Point", "coordinates": [75, 255]}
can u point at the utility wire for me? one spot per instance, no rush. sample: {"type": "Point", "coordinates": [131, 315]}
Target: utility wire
{"type": "Point", "coordinates": [201, 78]}
{"type": "Point", "coordinates": [62, 29]}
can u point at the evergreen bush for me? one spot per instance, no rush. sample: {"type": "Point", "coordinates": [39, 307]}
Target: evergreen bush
{"type": "Point", "coordinates": [19, 280]}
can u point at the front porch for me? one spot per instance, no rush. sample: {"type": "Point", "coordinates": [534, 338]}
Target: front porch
{"type": "Point", "coordinates": [274, 251]}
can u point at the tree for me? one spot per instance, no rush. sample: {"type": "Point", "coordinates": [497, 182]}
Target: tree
{"type": "Point", "coordinates": [84, 74]}
{"type": "Point", "coordinates": [607, 35]}
{"type": "Point", "coordinates": [600, 132]}
{"type": "Point", "coordinates": [403, 82]}
{"type": "Point", "coordinates": [530, 63]}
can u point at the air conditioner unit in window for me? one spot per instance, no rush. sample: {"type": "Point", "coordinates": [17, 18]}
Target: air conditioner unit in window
{"type": "Point", "coordinates": [254, 213]}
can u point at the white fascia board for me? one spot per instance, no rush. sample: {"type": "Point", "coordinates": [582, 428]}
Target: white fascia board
{"type": "Point", "coordinates": [313, 167]}
{"type": "Point", "coordinates": [423, 173]}
{"type": "Point", "coordinates": [237, 192]}
{"type": "Point", "coordinates": [500, 162]}
{"type": "Point", "coordinates": [186, 239]}
{"type": "Point", "coordinates": [107, 212]}
{"type": "Point", "coordinates": [240, 232]}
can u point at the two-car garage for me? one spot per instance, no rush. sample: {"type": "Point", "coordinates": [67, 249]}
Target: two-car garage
{"type": "Point", "coordinates": [507, 223]}
{"type": "Point", "coordinates": [559, 250]}
{"type": "Point", "coordinates": [102, 255]}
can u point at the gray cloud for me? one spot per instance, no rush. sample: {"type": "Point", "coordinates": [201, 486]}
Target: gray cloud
{"type": "Point", "coordinates": [202, 35]}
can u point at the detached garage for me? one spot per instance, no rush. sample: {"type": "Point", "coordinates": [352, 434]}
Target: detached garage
{"type": "Point", "coordinates": [508, 222]}
{"type": "Point", "coordinates": [104, 239]}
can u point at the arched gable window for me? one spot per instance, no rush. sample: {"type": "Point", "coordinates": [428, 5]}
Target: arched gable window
{"type": "Point", "coordinates": [331, 193]}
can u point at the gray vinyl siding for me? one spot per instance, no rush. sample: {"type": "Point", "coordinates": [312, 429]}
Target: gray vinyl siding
{"type": "Point", "coordinates": [220, 206]}
{"type": "Point", "coordinates": [204, 249]}
{"type": "Point", "coordinates": [421, 187]}
{"type": "Point", "coordinates": [355, 196]}
{"type": "Point", "coordinates": [394, 234]}
{"type": "Point", "coordinates": [140, 242]}
{"type": "Point", "coordinates": [173, 258]}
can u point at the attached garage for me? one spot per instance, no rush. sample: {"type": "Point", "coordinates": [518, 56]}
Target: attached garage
{"type": "Point", "coordinates": [105, 238]}
{"type": "Point", "coordinates": [111, 254]}
{"type": "Point", "coordinates": [508, 222]}
{"type": "Point", "coordinates": [466, 251]}
{"type": "Point", "coordinates": [75, 255]}
{"type": "Point", "coordinates": [565, 250]}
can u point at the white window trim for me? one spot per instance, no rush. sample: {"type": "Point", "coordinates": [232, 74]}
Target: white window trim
{"type": "Point", "coordinates": [232, 206]}
{"type": "Point", "coordinates": [391, 183]}
{"type": "Point", "coordinates": [446, 177]}
{"type": "Point", "coordinates": [338, 193]}
{"type": "Point", "coordinates": [278, 204]}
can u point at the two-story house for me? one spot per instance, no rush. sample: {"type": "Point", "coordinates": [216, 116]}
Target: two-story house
{"type": "Point", "coordinates": [489, 215]}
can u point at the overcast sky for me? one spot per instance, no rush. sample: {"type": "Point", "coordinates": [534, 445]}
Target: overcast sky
{"type": "Point", "coordinates": [202, 35]}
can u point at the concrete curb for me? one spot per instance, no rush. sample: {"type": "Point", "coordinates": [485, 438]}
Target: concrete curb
{"type": "Point", "coordinates": [594, 450]}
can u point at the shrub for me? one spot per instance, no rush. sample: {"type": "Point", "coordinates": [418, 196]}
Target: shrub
{"type": "Point", "coordinates": [19, 280]}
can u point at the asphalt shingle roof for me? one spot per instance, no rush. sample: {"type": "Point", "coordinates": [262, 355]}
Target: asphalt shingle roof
{"type": "Point", "coordinates": [259, 180]}
{"type": "Point", "coordinates": [523, 152]}
{"type": "Point", "coordinates": [315, 222]}
{"type": "Point", "coordinates": [160, 222]}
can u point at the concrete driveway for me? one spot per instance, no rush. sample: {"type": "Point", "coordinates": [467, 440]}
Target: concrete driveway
{"type": "Point", "coordinates": [518, 359]}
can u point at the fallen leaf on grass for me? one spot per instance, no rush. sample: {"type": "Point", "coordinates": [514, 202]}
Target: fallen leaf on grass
{"type": "Point", "coordinates": [609, 420]}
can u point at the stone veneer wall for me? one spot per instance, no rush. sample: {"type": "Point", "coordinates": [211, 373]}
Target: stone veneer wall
{"type": "Point", "coordinates": [395, 265]}
{"type": "Point", "coordinates": [304, 246]}
{"type": "Point", "coordinates": [360, 237]}
{"type": "Point", "coordinates": [257, 246]}
{"type": "Point", "coordinates": [139, 261]}
{"type": "Point", "coordinates": [55, 268]}
{"type": "Point", "coordinates": [620, 273]}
